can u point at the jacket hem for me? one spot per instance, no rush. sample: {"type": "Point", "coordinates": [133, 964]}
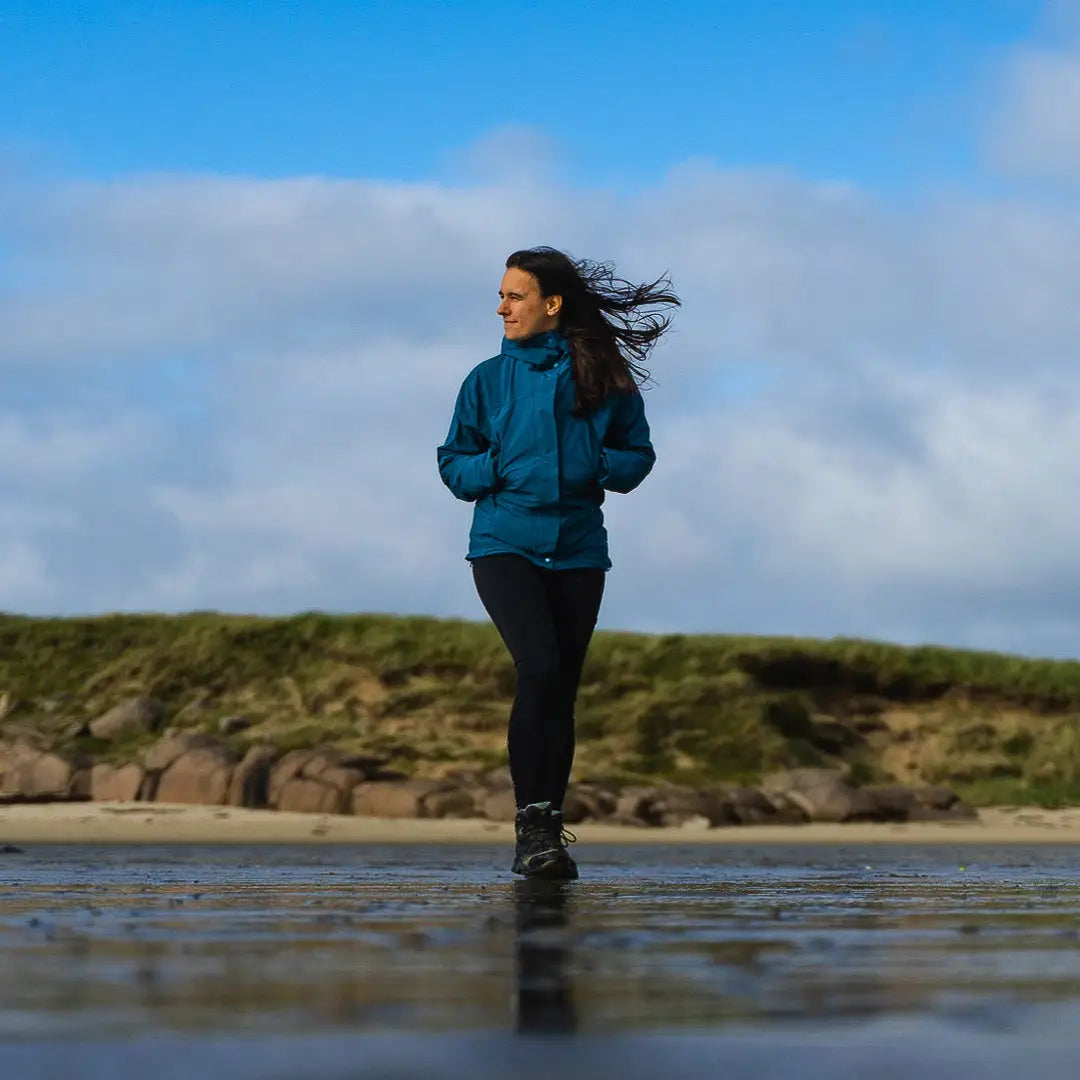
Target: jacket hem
{"type": "Point", "coordinates": [554, 563]}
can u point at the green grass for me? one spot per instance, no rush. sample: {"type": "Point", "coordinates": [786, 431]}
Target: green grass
{"type": "Point", "coordinates": [695, 708]}
{"type": "Point", "coordinates": [1014, 792]}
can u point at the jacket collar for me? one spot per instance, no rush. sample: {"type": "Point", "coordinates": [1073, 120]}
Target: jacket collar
{"type": "Point", "coordinates": [539, 351]}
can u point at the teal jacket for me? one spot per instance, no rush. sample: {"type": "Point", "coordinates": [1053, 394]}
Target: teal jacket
{"type": "Point", "coordinates": [536, 472]}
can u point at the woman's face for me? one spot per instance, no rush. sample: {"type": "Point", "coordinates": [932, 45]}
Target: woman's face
{"type": "Point", "coordinates": [523, 310]}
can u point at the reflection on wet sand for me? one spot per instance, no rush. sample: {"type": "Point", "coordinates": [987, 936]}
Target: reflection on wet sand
{"type": "Point", "coordinates": [544, 993]}
{"type": "Point", "coordinates": [361, 940]}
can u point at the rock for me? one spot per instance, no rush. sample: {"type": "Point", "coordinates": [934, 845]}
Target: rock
{"type": "Point", "coordinates": [392, 798]}
{"type": "Point", "coordinates": [578, 806]}
{"type": "Point", "coordinates": [11, 755]}
{"type": "Point", "coordinates": [111, 783]}
{"type": "Point", "coordinates": [656, 806]}
{"type": "Point", "coordinates": [587, 802]}
{"type": "Point", "coordinates": [698, 821]}
{"type": "Point", "coordinates": [192, 712]}
{"type": "Point", "coordinates": [499, 805]}
{"type": "Point", "coordinates": [719, 805]}
{"type": "Point", "coordinates": [496, 779]}
{"type": "Point", "coordinates": [198, 776]}
{"type": "Point", "coordinates": [248, 785]}
{"type": "Point", "coordinates": [748, 806]}
{"type": "Point", "coordinates": [25, 734]}
{"type": "Point", "coordinates": [7, 704]}
{"type": "Point", "coordinates": [230, 725]}
{"type": "Point", "coordinates": [37, 777]}
{"type": "Point", "coordinates": [328, 764]}
{"type": "Point", "coordinates": [130, 717]}
{"type": "Point", "coordinates": [319, 759]}
{"type": "Point", "coordinates": [464, 775]}
{"type": "Point", "coordinates": [386, 774]}
{"type": "Point", "coordinates": [287, 768]}
{"type": "Point", "coordinates": [311, 797]}
{"type": "Point", "coordinates": [940, 804]}
{"type": "Point", "coordinates": [46, 777]}
{"type": "Point", "coordinates": [341, 778]}
{"type": "Point", "coordinates": [77, 729]}
{"type": "Point", "coordinates": [79, 785]}
{"type": "Point", "coordinates": [630, 801]}
{"type": "Point", "coordinates": [11, 849]}
{"type": "Point", "coordinates": [936, 798]}
{"type": "Point", "coordinates": [172, 745]}
{"type": "Point", "coordinates": [323, 758]}
{"type": "Point", "coordinates": [452, 802]}
{"type": "Point", "coordinates": [322, 768]}
{"type": "Point", "coordinates": [825, 796]}
{"type": "Point", "coordinates": [821, 794]}
{"type": "Point", "coordinates": [891, 802]}
{"type": "Point", "coordinates": [670, 805]}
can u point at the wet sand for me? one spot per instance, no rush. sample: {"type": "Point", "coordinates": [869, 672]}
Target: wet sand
{"type": "Point", "coordinates": [127, 823]}
{"type": "Point", "coordinates": [792, 961]}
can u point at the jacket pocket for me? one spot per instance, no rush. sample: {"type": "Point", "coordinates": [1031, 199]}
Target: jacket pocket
{"type": "Point", "coordinates": [596, 437]}
{"type": "Point", "coordinates": [515, 432]}
{"type": "Point", "coordinates": [512, 524]}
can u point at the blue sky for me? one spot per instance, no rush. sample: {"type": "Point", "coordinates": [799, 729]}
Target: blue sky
{"type": "Point", "coordinates": [881, 93]}
{"type": "Point", "coordinates": [249, 251]}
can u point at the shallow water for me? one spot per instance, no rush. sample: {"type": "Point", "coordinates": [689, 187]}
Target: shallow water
{"type": "Point", "coordinates": [357, 961]}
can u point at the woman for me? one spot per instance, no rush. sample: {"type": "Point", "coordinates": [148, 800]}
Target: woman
{"type": "Point", "coordinates": [538, 433]}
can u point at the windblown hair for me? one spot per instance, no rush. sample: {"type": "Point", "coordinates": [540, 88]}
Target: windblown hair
{"type": "Point", "coordinates": [611, 324]}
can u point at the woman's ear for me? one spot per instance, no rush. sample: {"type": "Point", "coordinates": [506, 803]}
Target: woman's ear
{"type": "Point", "coordinates": [554, 305]}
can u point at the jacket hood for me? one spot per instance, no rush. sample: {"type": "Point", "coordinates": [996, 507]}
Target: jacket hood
{"type": "Point", "coordinates": [540, 350]}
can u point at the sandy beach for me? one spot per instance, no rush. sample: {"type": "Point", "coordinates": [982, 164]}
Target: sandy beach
{"type": "Point", "coordinates": [125, 823]}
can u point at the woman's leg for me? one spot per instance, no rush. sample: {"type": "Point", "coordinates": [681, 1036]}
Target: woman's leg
{"type": "Point", "coordinates": [575, 597]}
{"type": "Point", "coordinates": [515, 595]}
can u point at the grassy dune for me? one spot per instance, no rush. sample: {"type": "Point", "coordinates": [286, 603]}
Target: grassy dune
{"type": "Point", "coordinates": [432, 695]}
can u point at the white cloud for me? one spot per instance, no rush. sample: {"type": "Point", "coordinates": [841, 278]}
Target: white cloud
{"type": "Point", "coordinates": [58, 447]}
{"type": "Point", "coordinates": [517, 154]}
{"type": "Point", "coordinates": [1037, 132]}
{"type": "Point", "coordinates": [1033, 131]}
{"type": "Point", "coordinates": [865, 420]}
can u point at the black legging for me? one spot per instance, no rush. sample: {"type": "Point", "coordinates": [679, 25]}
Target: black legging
{"type": "Point", "coordinates": [546, 619]}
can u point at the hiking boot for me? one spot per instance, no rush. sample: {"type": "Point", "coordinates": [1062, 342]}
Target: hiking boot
{"type": "Point", "coordinates": [541, 844]}
{"type": "Point", "coordinates": [563, 836]}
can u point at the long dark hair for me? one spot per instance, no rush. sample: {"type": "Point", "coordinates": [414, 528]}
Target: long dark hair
{"type": "Point", "coordinates": [610, 335]}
